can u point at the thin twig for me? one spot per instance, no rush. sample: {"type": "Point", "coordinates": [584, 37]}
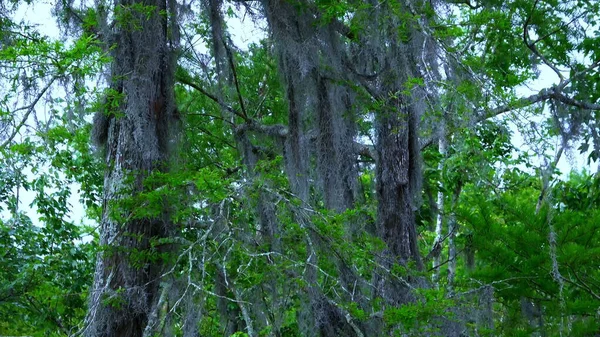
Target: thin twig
{"type": "Point", "coordinates": [30, 108]}
{"type": "Point", "coordinates": [235, 81]}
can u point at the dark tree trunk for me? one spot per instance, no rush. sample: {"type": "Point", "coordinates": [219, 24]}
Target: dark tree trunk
{"type": "Point", "coordinates": [297, 53]}
{"type": "Point", "coordinates": [395, 209]}
{"type": "Point", "coordinates": [336, 156]}
{"type": "Point", "coordinates": [127, 280]}
{"type": "Point", "coordinates": [394, 55]}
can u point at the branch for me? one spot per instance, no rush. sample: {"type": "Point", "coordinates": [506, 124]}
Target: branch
{"type": "Point", "coordinates": [543, 95]}
{"type": "Point", "coordinates": [281, 131]}
{"type": "Point", "coordinates": [363, 79]}
{"type": "Point", "coordinates": [235, 80]}
{"type": "Point", "coordinates": [582, 284]}
{"type": "Point", "coordinates": [275, 130]}
{"type": "Point", "coordinates": [221, 139]}
{"type": "Point", "coordinates": [424, 143]}
{"type": "Point", "coordinates": [153, 317]}
{"type": "Point", "coordinates": [366, 150]}
{"type": "Point", "coordinates": [206, 115]}
{"type": "Point", "coordinates": [30, 108]}
{"type": "Point", "coordinates": [344, 30]}
{"type": "Point", "coordinates": [556, 91]}
{"type": "Point", "coordinates": [466, 2]}
{"type": "Point", "coordinates": [187, 81]}
{"type": "Point", "coordinates": [49, 315]}
{"type": "Point", "coordinates": [559, 96]}
{"type": "Point", "coordinates": [545, 183]}
{"type": "Point", "coordinates": [564, 25]}
{"type": "Point", "coordinates": [534, 49]}
{"type": "Point", "coordinates": [348, 317]}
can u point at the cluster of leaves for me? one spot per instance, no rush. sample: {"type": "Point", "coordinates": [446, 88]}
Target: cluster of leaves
{"type": "Point", "coordinates": [47, 258]}
{"type": "Point", "coordinates": [49, 176]}
{"type": "Point", "coordinates": [540, 261]}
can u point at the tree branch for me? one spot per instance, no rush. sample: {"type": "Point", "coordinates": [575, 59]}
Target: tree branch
{"type": "Point", "coordinates": [187, 81]}
{"type": "Point", "coordinates": [559, 96]}
{"type": "Point", "coordinates": [466, 2]}
{"type": "Point", "coordinates": [235, 80]}
{"type": "Point", "coordinates": [30, 108]}
{"type": "Point", "coordinates": [563, 84]}
{"type": "Point", "coordinates": [534, 49]}
{"type": "Point", "coordinates": [276, 130]}
{"type": "Point", "coordinates": [544, 94]}
{"type": "Point", "coordinates": [581, 284]}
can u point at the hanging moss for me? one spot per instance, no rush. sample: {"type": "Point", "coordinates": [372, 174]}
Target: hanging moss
{"type": "Point", "coordinates": [126, 287]}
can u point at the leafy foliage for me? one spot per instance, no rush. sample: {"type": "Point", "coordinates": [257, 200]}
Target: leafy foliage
{"type": "Point", "coordinates": [249, 255]}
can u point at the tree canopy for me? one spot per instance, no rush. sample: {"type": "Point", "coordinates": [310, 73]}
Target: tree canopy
{"type": "Point", "coordinates": [359, 168]}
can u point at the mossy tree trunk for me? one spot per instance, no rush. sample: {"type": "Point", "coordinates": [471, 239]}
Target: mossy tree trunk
{"type": "Point", "coordinates": [127, 280]}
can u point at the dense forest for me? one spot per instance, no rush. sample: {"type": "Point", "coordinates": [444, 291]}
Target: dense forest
{"type": "Point", "coordinates": [357, 168]}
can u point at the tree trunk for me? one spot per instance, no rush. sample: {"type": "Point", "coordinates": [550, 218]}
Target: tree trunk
{"type": "Point", "coordinates": [395, 57]}
{"type": "Point", "coordinates": [127, 278]}
{"type": "Point", "coordinates": [395, 209]}
{"type": "Point", "coordinates": [436, 250]}
{"type": "Point", "coordinates": [398, 171]}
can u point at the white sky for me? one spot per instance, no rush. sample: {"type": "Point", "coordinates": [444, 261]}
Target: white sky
{"type": "Point", "coordinates": [570, 160]}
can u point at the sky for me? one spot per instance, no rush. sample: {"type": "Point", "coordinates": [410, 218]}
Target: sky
{"type": "Point", "coordinates": [571, 159]}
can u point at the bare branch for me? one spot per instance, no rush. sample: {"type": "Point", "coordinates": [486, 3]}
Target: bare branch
{"type": "Point", "coordinates": [276, 130]}
{"type": "Point", "coordinates": [366, 150]}
{"type": "Point", "coordinates": [235, 80]}
{"type": "Point", "coordinates": [187, 81]}
{"type": "Point", "coordinates": [543, 95]}
{"type": "Point", "coordinates": [562, 85]}
{"type": "Point", "coordinates": [30, 108]}
{"type": "Point", "coordinates": [523, 102]}
{"type": "Point", "coordinates": [564, 25]}
{"type": "Point", "coordinates": [466, 2]}
{"type": "Point", "coordinates": [534, 49]}
{"type": "Point", "coordinates": [559, 96]}
{"type": "Point", "coordinates": [348, 318]}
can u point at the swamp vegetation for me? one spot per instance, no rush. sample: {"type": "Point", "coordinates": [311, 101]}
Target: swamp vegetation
{"type": "Point", "coordinates": [356, 168]}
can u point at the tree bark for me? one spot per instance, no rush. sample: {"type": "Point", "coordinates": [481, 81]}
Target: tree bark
{"type": "Point", "coordinates": [436, 250]}
{"type": "Point", "coordinates": [128, 272]}
{"type": "Point", "coordinates": [398, 171]}
{"type": "Point", "coordinates": [395, 209]}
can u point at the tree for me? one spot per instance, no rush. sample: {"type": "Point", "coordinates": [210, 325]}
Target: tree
{"type": "Point", "coordinates": [290, 186]}
{"type": "Point", "coordinates": [136, 131]}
